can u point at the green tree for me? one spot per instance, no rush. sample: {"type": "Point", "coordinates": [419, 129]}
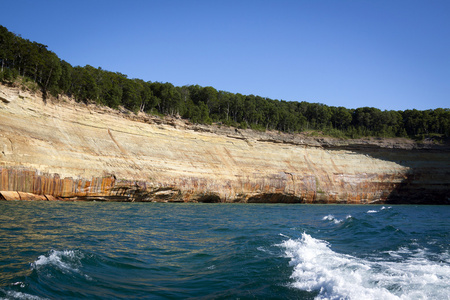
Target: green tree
{"type": "Point", "coordinates": [341, 118]}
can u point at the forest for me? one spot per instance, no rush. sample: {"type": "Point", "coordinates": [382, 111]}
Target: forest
{"type": "Point", "coordinates": [33, 62]}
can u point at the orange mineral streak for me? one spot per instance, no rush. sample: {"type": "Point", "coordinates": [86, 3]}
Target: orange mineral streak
{"type": "Point", "coordinates": [21, 184]}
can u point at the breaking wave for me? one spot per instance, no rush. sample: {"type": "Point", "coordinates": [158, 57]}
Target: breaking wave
{"type": "Point", "coordinates": [65, 261]}
{"type": "Point", "coordinates": [331, 275]}
{"type": "Point", "coordinates": [334, 219]}
{"type": "Point", "coordinates": [19, 295]}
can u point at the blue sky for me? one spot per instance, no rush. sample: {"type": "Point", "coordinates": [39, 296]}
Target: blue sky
{"type": "Point", "coordinates": [392, 54]}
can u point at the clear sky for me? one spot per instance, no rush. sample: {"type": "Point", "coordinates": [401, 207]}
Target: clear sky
{"type": "Point", "coordinates": [388, 54]}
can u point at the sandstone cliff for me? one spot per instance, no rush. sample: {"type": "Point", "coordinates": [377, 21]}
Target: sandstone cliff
{"type": "Point", "coordinates": [65, 150]}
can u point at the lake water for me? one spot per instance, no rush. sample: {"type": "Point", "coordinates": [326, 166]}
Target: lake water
{"type": "Point", "coordinates": [73, 250]}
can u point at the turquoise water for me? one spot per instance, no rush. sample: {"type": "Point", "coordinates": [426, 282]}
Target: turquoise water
{"type": "Point", "coordinates": [60, 250]}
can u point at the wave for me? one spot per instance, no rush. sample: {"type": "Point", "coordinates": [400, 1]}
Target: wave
{"type": "Point", "coordinates": [59, 273]}
{"type": "Point", "coordinates": [66, 260]}
{"type": "Point", "coordinates": [19, 295]}
{"type": "Point", "coordinates": [334, 219]}
{"type": "Point", "coordinates": [373, 211]}
{"type": "Point", "coordinates": [332, 275]}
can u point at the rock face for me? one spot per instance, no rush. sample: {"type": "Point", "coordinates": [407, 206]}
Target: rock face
{"type": "Point", "coordinates": [66, 150]}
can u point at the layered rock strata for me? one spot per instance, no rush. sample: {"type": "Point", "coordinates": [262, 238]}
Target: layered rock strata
{"type": "Point", "coordinates": [65, 150]}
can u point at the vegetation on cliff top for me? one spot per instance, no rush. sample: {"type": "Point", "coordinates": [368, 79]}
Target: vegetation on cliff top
{"type": "Point", "coordinates": [31, 60]}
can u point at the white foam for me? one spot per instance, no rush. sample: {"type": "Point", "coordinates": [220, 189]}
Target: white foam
{"type": "Point", "coordinates": [19, 283]}
{"type": "Point", "coordinates": [67, 260]}
{"type": "Point", "coordinates": [372, 211]}
{"type": "Point", "coordinates": [19, 295]}
{"type": "Point", "coordinates": [445, 257]}
{"type": "Point", "coordinates": [339, 276]}
{"type": "Point", "coordinates": [263, 249]}
{"type": "Point", "coordinates": [334, 219]}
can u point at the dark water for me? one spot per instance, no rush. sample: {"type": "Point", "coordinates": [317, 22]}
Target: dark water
{"type": "Point", "coordinates": [211, 251]}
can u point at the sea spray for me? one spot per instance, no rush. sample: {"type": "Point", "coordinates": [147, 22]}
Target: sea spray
{"type": "Point", "coordinates": [316, 267]}
{"type": "Point", "coordinates": [65, 260]}
{"type": "Point", "coordinates": [334, 219]}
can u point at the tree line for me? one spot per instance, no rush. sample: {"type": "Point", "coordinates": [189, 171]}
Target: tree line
{"type": "Point", "coordinates": [34, 62]}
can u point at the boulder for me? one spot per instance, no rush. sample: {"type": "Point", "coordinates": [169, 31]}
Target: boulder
{"type": "Point", "coordinates": [9, 195]}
